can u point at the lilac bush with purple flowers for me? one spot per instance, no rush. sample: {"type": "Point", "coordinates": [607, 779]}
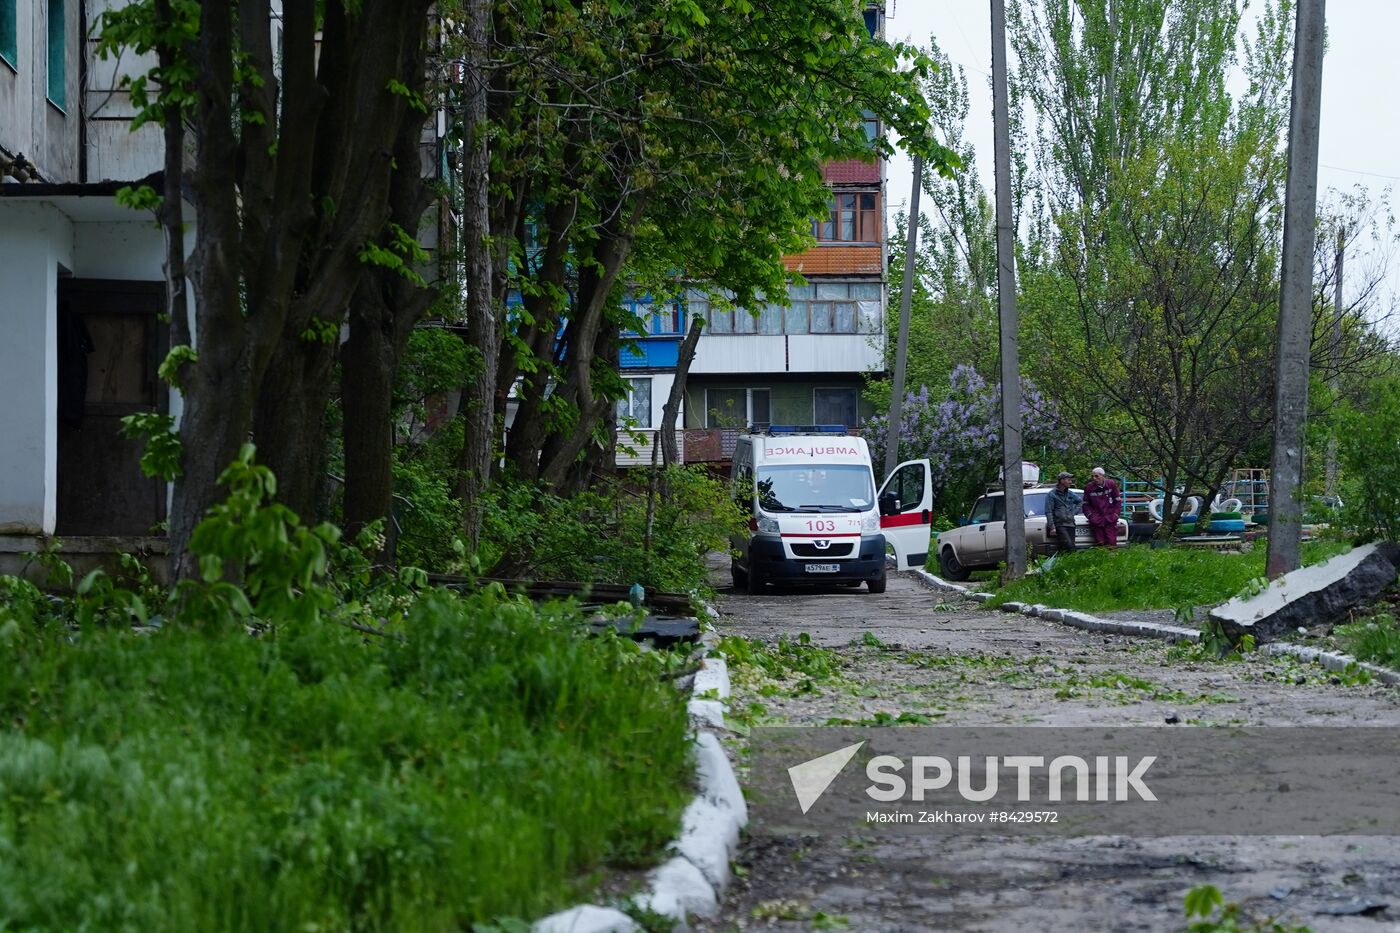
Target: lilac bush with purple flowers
{"type": "Point", "coordinates": [959, 432]}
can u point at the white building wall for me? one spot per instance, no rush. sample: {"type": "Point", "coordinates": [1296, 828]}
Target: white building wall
{"type": "Point", "coordinates": [634, 448]}
{"type": "Point", "coordinates": [36, 241]}
{"type": "Point", "coordinates": [795, 353]}
{"type": "Point", "coordinates": [834, 353]}
{"type": "Point", "coordinates": [749, 353]}
{"type": "Point", "coordinates": [132, 251]}
{"type": "Point", "coordinates": [114, 151]}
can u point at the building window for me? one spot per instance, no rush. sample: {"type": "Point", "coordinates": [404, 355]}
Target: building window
{"type": "Point", "coordinates": [872, 21]}
{"type": "Point", "coordinates": [58, 71]}
{"type": "Point", "coordinates": [852, 218]}
{"type": "Point", "coordinates": [9, 33]}
{"type": "Point", "coordinates": [634, 410]}
{"type": "Point", "coordinates": [722, 318]}
{"type": "Point", "coordinates": [824, 308]}
{"type": "Point", "coordinates": [736, 408]}
{"type": "Point", "coordinates": [665, 319]}
{"type": "Point", "coordinates": [834, 406]}
{"type": "Point", "coordinates": [650, 318]}
{"type": "Point", "coordinates": [835, 308]}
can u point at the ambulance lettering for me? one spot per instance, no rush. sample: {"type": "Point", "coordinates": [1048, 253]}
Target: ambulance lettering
{"type": "Point", "coordinates": [809, 451]}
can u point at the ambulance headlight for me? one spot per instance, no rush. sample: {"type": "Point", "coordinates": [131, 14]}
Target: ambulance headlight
{"type": "Point", "coordinates": [870, 523]}
{"type": "Point", "coordinates": [767, 526]}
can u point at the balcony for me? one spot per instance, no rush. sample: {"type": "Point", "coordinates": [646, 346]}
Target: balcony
{"type": "Point", "coordinates": [716, 445]}
{"type": "Point", "coordinates": [710, 445]}
{"type": "Point", "coordinates": [634, 447]}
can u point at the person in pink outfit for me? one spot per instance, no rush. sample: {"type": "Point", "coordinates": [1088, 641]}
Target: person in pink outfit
{"type": "Point", "coordinates": [1102, 505]}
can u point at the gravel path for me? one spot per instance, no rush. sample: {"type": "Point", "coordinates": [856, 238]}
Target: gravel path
{"type": "Point", "coordinates": [917, 654]}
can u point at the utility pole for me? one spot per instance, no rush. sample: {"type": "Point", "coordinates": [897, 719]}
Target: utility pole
{"type": "Point", "coordinates": [1335, 356]}
{"type": "Point", "coordinates": [1006, 305]}
{"type": "Point", "coordinates": [901, 347]}
{"type": "Point", "coordinates": [1295, 292]}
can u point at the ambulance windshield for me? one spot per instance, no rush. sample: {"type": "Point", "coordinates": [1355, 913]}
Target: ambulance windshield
{"type": "Point", "coordinates": [824, 488]}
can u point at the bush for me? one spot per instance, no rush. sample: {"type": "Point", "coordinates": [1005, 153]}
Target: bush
{"type": "Point", "coordinates": [959, 430]}
{"type": "Point", "coordinates": [1369, 445]}
{"type": "Point", "coordinates": [601, 535]}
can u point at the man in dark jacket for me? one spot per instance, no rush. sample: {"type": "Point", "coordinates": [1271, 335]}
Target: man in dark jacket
{"type": "Point", "coordinates": [1061, 505]}
{"type": "Point", "coordinates": [1102, 506]}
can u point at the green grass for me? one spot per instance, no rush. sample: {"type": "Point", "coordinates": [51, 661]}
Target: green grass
{"type": "Point", "coordinates": [1376, 639]}
{"type": "Point", "coordinates": [488, 764]}
{"type": "Point", "coordinates": [1139, 577]}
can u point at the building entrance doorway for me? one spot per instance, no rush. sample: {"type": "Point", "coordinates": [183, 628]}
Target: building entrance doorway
{"type": "Point", "coordinates": [110, 342]}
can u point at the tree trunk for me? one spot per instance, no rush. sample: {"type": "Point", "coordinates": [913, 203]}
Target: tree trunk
{"type": "Point", "coordinates": [289, 423]}
{"type": "Point", "coordinates": [367, 366]}
{"type": "Point", "coordinates": [172, 206]}
{"type": "Point", "coordinates": [670, 455]}
{"type": "Point", "coordinates": [382, 314]}
{"type": "Point", "coordinates": [220, 386]}
{"type": "Point", "coordinates": [218, 414]}
{"type": "Point", "coordinates": [483, 325]}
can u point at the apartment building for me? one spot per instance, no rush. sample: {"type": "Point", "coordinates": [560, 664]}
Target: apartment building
{"type": "Point", "coordinates": [81, 284]}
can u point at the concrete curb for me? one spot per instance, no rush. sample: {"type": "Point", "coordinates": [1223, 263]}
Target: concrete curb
{"type": "Point", "coordinates": [693, 882]}
{"type": "Point", "coordinates": [587, 918]}
{"type": "Point", "coordinates": [1330, 660]}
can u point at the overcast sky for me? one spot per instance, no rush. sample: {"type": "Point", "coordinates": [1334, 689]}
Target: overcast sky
{"type": "Point", "coordinates": [1360, 131]}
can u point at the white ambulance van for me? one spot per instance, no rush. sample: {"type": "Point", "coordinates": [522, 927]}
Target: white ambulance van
{"type": "Point", "coordinates": [814, 515]}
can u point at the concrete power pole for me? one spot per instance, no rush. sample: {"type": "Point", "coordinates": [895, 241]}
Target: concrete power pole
{"type": "Point", "coordinates": [901, 348]}
{"type": "Point", "coordinates": [1006, 304]}
{"type": "Point", "coordinates": [1335, 355]}
{"type": "Point", "coordinates": [1295, 292]}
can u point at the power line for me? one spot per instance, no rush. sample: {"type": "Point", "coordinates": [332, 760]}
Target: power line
{"type": "Point", "coordinates": [1357, 171]}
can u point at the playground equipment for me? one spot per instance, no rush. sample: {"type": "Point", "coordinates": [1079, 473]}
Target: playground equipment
{"type": "Point", "coordinates": [1193, 508]}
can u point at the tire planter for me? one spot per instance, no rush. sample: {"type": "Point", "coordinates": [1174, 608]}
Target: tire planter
{"type": "Point", "coordinates": [1185, 528]}
{"type": "Point", "coordinates": [1225, 515]}
{"type": "Point", "coordinates": [1226, 525]}
{"type": "Point", "coordinates": [1141, 531]}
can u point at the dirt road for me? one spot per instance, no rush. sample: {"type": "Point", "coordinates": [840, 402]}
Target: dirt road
{"type": "Point", "coordinates": [915, 655]}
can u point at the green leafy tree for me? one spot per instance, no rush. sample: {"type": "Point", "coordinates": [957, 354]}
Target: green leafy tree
{"type": "Point", "coordinates": [1370, 455]}
{"type": "Point", "coordinates": [1150, 305]}
{"type": "Point", "coordinates": [629, 151]}
{"type": "Point", "coordinates": [1150, 317]}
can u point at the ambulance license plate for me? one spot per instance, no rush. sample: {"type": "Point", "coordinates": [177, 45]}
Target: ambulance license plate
{"type": "Point", "coordinates": [823, 568]}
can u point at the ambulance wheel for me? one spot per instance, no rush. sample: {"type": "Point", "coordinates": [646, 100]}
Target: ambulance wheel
{"type": "Point", "coordinates": [755, 581]}
{"type": "Point", "coordinates": [876, 585]}
{"type": "Point", "coordinates": [741, 579]}
{"type": "Point", "coordinates": [950, 565]}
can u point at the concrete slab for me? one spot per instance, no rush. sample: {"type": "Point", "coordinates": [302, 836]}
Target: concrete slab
{"type": "Point", "coordinates": [1311, 594]}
